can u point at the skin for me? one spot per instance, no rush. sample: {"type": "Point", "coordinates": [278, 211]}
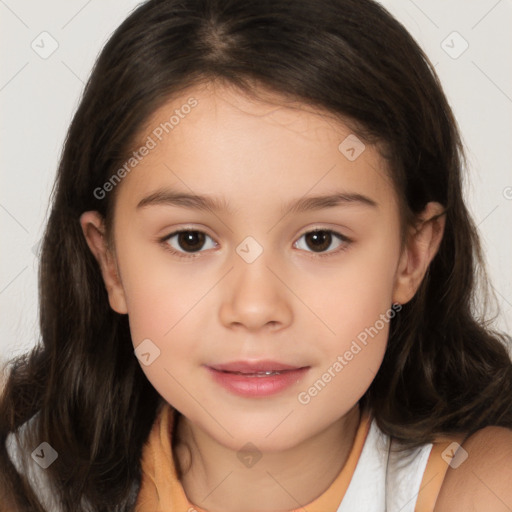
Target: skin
{"type": "Point", "coordinates": [482, 481]}
{"type": "Point", "coordinates": [290, 305]}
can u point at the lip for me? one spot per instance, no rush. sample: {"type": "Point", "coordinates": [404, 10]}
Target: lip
{"type": "Point", "coordinates": [253, 366]}
{"type": "Point", "coordinates": [231, 377]}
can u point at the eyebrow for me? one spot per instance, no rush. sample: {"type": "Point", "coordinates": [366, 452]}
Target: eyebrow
{"type": "Point", "coordinates": [169, 197]}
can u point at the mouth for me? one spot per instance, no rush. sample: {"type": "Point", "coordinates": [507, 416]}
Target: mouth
{"type": "Point", "coordinates": [256, 378]}
{"type": "Point", "coordinates": [255, 367]}
{"type": "Point", "coordinates": [256, 374]}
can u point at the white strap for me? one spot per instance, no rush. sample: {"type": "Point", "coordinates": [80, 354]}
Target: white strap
{"type": "Point", "coordinates": [385, 480]}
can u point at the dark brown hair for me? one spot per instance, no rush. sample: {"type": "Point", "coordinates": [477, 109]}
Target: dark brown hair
{"type": "Point", "coordinates": [444, 370]}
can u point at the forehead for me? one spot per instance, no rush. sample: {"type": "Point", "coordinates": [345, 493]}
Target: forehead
{"type": "Point", "coordinates": [216, 139]}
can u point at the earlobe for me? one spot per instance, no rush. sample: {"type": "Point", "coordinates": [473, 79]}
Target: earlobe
{"type": "Point", "coordinates": [421, 247]}
{"type": "Point", "coordinates": [93, 228]}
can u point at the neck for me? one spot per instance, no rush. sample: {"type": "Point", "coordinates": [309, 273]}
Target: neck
{"type": "Point", "coordinates": [279, 481]}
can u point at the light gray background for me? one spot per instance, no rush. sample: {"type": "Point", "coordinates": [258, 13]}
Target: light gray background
{"type": "Point", "coordinates": [38, 97]}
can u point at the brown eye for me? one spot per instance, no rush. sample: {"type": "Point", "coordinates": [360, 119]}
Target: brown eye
{"type": "Point", "coordinates": [186, 241]}
{"type": "Point", "coordinates": [319, 240]}
{"type": "Point", "coordinates": [191, 241]}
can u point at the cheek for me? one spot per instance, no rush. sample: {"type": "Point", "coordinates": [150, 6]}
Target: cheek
{"type": "Point", "coordinates": [354, 304]}
{"type": "Point", "coordinates": [351, 295]}
{"type": "Point", "coordinates": [159, 291]}
{"type": "Point", "coordinates": [162, 314]}
{"type": "Point", "coordinates": [352, 348]}
{"type": "Point", "coordinates": [165, 307]}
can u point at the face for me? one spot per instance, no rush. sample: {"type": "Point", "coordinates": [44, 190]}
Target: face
{"type": "Point", "coordinates": [263, 273]}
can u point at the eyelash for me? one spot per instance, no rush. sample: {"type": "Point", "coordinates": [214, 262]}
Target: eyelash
{"type": "Point", "coordinates": [346, 242]}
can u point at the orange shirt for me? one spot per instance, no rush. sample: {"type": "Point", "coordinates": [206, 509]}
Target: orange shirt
{"type": "Point", "coordinates": [161, 491]}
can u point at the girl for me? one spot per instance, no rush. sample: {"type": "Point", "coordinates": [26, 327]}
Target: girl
{"type": "Point", "coordinates": [257, 280]}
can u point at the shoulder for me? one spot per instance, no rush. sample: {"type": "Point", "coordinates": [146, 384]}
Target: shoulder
{"type": "Point", "coordinates": [482, 480]}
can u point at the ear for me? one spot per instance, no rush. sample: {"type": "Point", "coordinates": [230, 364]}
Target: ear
{"type": "Point", "coordinates": [420, 248]}
{"type": "Point", "coordinates": [93, 227]}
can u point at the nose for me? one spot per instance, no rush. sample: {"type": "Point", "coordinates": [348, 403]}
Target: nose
{"type": "Point", "coordinates": [255, 297]}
